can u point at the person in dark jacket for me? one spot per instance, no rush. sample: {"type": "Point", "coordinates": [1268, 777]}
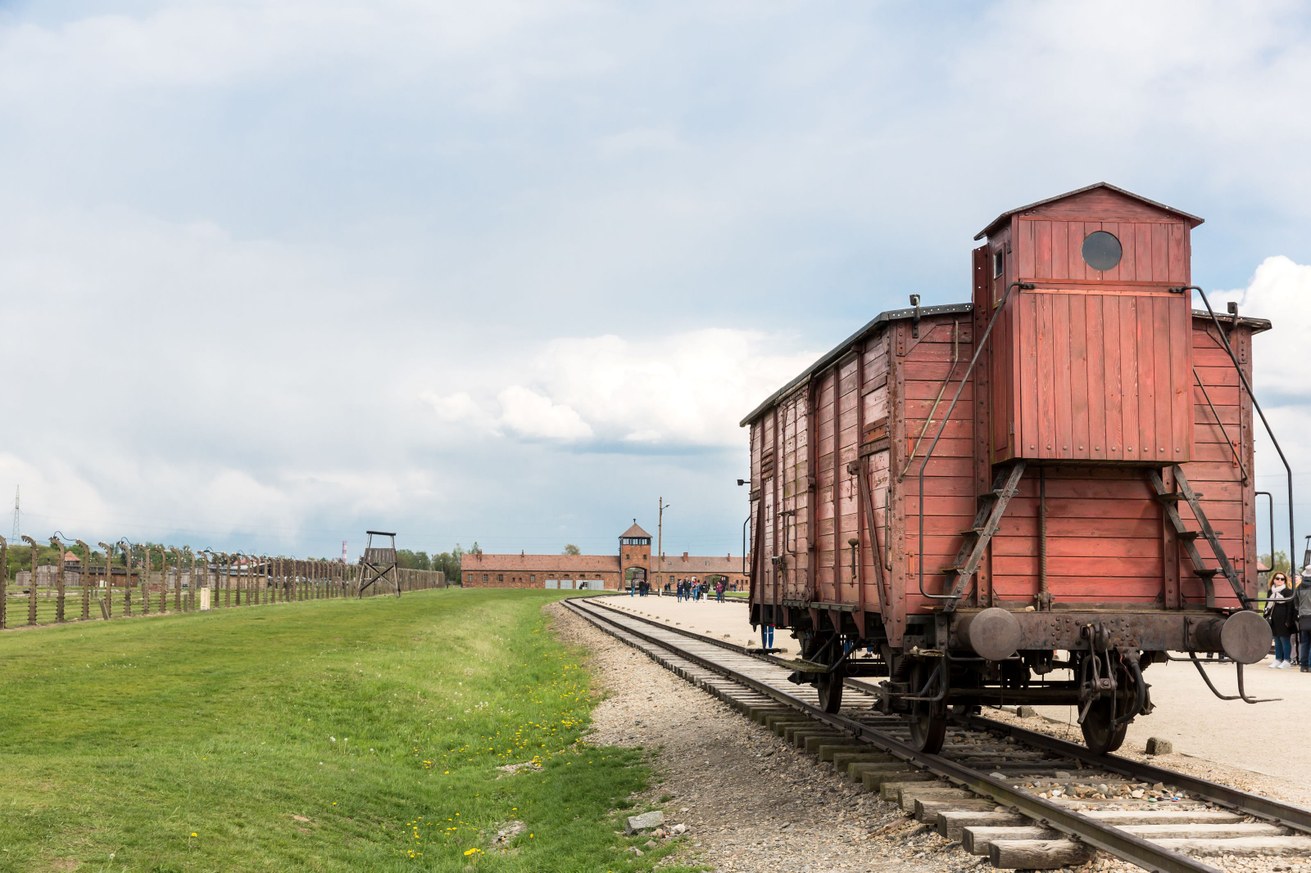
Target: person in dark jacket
{"type": "Point", "coordinates": [1302, 608]}
{"type": "Point", "coordinates": [1280, 612]}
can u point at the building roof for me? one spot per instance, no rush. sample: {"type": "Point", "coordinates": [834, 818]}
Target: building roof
{"type": "Point", "coordinates": [679, 565]}
{"type": "Point", "coordinates": [635, 531]}
{"type": "Point", "coordinates": [847, 345]}
{"type": "Point", "coordinates": [697, 565]}
{"type": "Point", "coordinates": [524, 563]}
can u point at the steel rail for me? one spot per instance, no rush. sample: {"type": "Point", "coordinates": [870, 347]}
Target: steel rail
{"type": "Point", "coordinates": [1107, 838]}
{"type": "Point", "coordinates": [1294, 817]}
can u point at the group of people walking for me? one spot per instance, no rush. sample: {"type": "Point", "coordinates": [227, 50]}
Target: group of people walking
{"type": "Point", "coordinates": [1288, 609]}
{"type": "Point", "coordinates": [694, 589]}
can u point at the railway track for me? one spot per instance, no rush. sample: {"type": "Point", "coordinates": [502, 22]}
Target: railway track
{"type": "Point", "coordinates": [1023, 799]}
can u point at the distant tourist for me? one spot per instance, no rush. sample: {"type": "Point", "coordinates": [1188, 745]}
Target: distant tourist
{"type": "Point", "coordinates": [1279, 611]}
{"type": "Point", "coordinates": [1302, 606]}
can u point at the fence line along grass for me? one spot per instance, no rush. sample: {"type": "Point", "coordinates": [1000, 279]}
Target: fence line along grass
{"type": "Point", "coordinates": [53, 594]}
{"type": "Point", "coordinates": [341, 735]}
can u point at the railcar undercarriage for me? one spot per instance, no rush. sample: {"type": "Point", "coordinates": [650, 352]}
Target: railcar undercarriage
{"type": "Point", "coordinates": [1100, 670]}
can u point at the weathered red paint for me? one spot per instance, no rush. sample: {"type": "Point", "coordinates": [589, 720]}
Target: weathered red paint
{"type": "Point", "coordinates": [1093, 377]}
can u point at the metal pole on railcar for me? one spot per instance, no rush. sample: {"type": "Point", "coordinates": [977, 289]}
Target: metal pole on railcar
{"type": "Point", "coordinates": [958, 590]}
{"type": "Point", "coordinates": [1247, 386]}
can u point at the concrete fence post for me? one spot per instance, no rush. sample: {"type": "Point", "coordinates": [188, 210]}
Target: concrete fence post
{"type": "Point", "coordinates": [58, 543]}
{"type": "Point", "coordinates": [4, 581]}
{"type": "Point", "coordinates": [31, 583]}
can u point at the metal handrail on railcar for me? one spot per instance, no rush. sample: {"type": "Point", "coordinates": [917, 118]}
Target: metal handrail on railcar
{"type": "Point", "coordinates": [978, 350]}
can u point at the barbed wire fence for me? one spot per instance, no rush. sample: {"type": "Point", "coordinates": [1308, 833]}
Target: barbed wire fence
{"type": "Point", "coordinates": [127, 579]}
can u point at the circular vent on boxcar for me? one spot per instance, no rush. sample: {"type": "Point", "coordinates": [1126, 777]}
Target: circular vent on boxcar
{"type": "Point", "coordinates": [1102, 250]}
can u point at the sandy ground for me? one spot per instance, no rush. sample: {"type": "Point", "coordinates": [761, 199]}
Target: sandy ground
{"type": "Point", "coordinates": [1271, 738]}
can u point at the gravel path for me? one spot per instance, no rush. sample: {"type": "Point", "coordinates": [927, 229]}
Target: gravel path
{"type": "Point", "coordinates": [753, 804]}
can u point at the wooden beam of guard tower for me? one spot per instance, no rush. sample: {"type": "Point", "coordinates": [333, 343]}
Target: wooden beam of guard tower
{"type": "Point", "coordinates": [379, 563]}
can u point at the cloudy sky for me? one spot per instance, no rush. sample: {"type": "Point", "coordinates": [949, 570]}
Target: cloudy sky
{"type": "Point", "coordinates": [275, 273]}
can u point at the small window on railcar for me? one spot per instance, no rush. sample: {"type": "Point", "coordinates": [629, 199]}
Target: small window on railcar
{"type": "Point", "coordinates": [998, 262]}
{"type": "Point", "coordinates": [1102, 250]}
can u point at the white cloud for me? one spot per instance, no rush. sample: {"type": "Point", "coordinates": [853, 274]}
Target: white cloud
{"type": "Point", "coordinates": [535, 416]}
{"type": "Point", "coordinates": [1280, 291]}
{"type": "Point", "coordinates": [458, 407]}
{"type": "Point", "coordinates": [58, 495]}
{"type": "Point", "coordinates": [676, 391]}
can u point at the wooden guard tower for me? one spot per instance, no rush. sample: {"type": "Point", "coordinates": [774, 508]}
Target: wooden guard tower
{"type": "Point", "coordinates": [379, 563]}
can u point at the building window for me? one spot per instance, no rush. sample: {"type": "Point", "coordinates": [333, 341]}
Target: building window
{"type": "Point", "coordinates": [532, 580]}
{"type": "Point", "coordinates": [500, 577]}
{"type": "Point", "coordinates": [484, 577]}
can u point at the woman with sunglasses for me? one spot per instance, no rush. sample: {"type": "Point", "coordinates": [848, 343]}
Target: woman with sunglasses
{"type": "Point", "coordinates": [1280, 612]}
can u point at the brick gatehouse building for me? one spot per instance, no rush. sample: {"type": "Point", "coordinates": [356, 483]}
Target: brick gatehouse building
{"type": "Point", "coordinates": [597, 572]}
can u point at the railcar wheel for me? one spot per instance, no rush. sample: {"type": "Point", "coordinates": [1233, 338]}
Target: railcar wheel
{"type": "Point", "coordinates": [829, 687]}
{"type": "Point", "coordinates": [928, 718]}
{"type": "Point", "coordinates": [1099, 731]}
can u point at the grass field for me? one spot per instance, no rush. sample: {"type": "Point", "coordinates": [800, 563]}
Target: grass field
{"type": "Point", "coordinates": [336, 735]}
{"type": "Point", "coordinates": [47, 605]}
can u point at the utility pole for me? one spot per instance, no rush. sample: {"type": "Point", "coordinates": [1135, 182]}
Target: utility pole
{"type": "Point", "coordinates": [660, 533]}
{"type": "Point", "coordinates": [17, 515]}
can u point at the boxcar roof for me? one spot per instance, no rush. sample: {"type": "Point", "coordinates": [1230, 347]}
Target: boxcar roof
{"type": "Point", "coordinates": [841, 349]}
{"type": "Point", "coordinates": [1192, 220]}
{"type": "Point", "coordinates": [1257, 325]}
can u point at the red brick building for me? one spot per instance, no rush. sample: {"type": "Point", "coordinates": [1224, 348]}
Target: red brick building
{"type": "Point", "coordinates": [633, 560]}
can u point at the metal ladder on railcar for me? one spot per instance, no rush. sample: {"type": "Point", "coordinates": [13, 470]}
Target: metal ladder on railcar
{"type": "Point", "coordinates": [992, 506]}
{"type": "Point", "coordinates": [1169, 501]}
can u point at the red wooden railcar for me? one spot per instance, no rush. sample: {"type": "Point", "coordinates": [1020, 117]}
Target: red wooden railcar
{"type": "Point", "coordinates": [1029, 498]}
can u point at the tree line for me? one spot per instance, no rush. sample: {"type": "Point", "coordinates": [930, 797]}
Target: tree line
{"type": "Point", "coordinates": [446, 562]}
{"type": "Point", "coordinates": [19, 558]}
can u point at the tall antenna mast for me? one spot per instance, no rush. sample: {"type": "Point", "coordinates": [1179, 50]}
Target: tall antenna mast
{"type": "Point", "coordinates": [18, 515]}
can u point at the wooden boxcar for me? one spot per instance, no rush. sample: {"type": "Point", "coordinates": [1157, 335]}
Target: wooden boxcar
{"type": "Point", "coordinates": [1028, 498]}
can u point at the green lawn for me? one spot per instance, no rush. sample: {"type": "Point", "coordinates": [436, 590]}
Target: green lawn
{"type": "Point", "coordinates": [335, 735]}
